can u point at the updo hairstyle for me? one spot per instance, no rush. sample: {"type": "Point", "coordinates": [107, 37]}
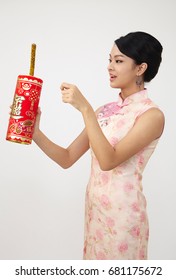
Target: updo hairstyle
{"type": "Point", "coordinates": [142, 47]}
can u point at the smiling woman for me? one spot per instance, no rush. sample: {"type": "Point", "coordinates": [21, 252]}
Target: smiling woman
{"type": "Point", "coordinates": [122, 136]}
{"type": "Point", "coordinates": [123, 70]}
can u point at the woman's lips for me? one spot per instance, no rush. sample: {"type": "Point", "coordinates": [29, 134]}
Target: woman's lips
{"type": "Point", "coordinates": [112, 78]}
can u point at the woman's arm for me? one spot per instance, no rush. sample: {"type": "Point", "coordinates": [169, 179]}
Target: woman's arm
{"type": "Point", "coordinates": [65, 157]}
{"type": "Point", "coordinates": [148, 127]}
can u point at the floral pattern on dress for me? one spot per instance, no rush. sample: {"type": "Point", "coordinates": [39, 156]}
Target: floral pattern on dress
{"type": "Point", "coordinates": [116, 222]}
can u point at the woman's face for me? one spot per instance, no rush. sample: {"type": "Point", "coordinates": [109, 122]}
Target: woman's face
{"type": "Point", "coordinates": [122, 70]}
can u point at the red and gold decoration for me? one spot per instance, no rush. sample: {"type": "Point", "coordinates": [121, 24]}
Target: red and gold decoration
{"type": "Point", "coordinates": [25, 105]}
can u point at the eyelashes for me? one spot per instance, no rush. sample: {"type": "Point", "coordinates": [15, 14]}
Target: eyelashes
{"type": "Point", "coordinates": [117, 61]}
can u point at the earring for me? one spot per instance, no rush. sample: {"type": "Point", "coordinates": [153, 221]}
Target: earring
{"type": "Point", "coordinates": [139, 81]}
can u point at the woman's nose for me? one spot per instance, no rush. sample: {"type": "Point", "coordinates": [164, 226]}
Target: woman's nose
{"type": "Point", "coordinates": [110, 66]}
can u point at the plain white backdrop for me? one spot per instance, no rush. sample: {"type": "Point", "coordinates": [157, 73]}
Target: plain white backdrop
{"type": "Point", "coordinates": [42, 205]}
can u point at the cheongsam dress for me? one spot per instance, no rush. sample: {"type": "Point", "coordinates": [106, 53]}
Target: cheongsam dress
{"type": "Point", "coordinates": [116, 222]}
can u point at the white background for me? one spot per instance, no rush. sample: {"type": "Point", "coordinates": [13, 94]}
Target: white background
{"type": "Point", "coordinates": [42, 205]}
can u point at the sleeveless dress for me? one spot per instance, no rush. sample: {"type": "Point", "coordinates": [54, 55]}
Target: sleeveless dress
{"type": "Point", "coordinates": [116, 222]}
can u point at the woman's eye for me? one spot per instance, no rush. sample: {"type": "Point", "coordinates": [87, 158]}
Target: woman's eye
{"type": "Point", "coordinates": [117, 61]}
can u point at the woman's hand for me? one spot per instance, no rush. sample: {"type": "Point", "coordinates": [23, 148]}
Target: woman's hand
{"type": "Point", "coordinates": [37, 122]}
{"type": "Point", "coordinates": [72, 95]}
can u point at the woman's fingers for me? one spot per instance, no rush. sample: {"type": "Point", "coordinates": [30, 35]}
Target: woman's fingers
{"type": "Point", "coordinates": [65, 86]}
{"type": "Point", "coordinates": [39, 111]}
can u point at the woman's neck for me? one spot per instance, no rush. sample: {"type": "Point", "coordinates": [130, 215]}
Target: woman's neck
{"type": "Point", "coordinates": [127, 92]}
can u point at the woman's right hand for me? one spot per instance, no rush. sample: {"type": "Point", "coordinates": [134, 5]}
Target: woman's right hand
{"type": "Point", "coordinates": [37, 122]}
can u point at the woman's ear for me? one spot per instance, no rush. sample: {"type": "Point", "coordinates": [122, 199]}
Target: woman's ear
{"type": "Point", "coordinates": [142, 68]}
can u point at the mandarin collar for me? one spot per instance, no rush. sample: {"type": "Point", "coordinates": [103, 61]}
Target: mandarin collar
{"type": "Point", "coordinates": [135, 97]}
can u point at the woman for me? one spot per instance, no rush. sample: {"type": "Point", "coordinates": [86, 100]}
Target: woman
{"type": "Point", "coordinates": [122, 136]}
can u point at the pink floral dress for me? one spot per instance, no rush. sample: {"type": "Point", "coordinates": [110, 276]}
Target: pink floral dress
{"type": "Point", "coordinates": [116, 223]}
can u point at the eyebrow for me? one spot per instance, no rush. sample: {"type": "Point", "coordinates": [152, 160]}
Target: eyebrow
{"type": "Point", "coordinates": [118, 55]}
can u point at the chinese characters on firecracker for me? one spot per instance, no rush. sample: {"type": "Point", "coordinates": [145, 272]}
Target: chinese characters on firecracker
{"type": "Point", "coordinates": [17, 105]}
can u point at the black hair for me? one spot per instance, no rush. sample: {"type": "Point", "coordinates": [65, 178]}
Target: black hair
{"type": "Point", "coordinates": [142, 47]}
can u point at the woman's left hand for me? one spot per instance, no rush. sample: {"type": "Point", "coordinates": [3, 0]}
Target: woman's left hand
{"type": "Point", "coordinates": [72, 95]}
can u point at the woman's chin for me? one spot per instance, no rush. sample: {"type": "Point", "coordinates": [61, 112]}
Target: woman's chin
{"type": "Point", "coordinates": [113, 85]}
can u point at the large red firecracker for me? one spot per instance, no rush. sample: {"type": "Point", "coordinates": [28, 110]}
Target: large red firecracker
{"type": "Point", "coordinates": [25, 106]}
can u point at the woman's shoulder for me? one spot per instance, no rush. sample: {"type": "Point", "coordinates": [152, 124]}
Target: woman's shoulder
{"type": "Point", "coordinates": [148, 104]}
